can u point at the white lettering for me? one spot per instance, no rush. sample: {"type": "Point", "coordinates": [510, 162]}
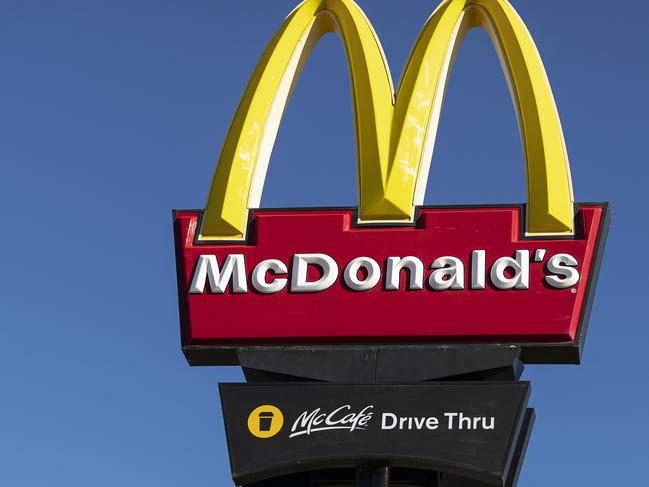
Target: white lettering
{"type": "Point", "coordinates": [308, 423]}
{"type": "Point", "coordinates": [276, 284]}
{"type": "Point", "coordinates": [372, 278]}
{"type": "Point", "coordinates": [449, 274]}
{"type": "Point", "coordinates": [384, 423]}
{"type": "Point", "coordinates": [391, 421]}
{"type": "Point", "coordinates": [273, 276]}
{"type": "Point", "coordinates": [415, 269]}
{"type": "Point", "coordinates": [520, 267]}
{"type": "Point", "coordinates": [207, 269]}
{"type": "Point", "coordinates": [469, 422]}
{"type": "Point", "coordinates": [565, 276]}
{"type": "Point", "coordinates": [478, 269]}
{"type": "Point", "coordinates": [301, 263]}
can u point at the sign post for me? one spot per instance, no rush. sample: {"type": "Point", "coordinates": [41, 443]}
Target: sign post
{"type": "Point", "coordinates": [383, 344]}
{"type": "Point", "coordinates": [373, 477]}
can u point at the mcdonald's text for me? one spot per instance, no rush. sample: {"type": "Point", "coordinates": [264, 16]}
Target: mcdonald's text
{"type": "Point", "coordinates": [271, 276]}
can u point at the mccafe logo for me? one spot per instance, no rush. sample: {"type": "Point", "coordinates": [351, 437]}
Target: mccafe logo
{"type": "Point", "coordinates": [265, 421]}
{"type": "Point", "coordinates": [364, 273]}
{"type": "Point", "coordinates": [341, 418]}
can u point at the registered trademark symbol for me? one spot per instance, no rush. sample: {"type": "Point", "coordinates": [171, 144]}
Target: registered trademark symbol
{"type": "Point", "coordinates": [573, 291]}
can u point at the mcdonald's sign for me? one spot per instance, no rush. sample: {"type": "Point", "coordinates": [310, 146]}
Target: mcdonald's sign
{"type": "Point", "coordinates": [390, 271]}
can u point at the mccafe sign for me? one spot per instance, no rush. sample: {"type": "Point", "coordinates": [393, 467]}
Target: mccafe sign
{"type": "Point", "coordinates": [474, 429]}
{"type": "Point", "coordinates": [390, 271]}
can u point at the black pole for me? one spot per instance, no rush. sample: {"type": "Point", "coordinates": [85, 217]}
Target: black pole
{"type": "Point", "coordinates": [373, 477]}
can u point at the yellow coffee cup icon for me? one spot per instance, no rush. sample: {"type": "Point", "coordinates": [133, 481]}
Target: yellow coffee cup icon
{"type": "Point", "coordinates": [265, 421]}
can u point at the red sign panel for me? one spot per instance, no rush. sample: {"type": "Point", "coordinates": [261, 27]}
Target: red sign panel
{"type": "Point", "coordinates": [459, 275]}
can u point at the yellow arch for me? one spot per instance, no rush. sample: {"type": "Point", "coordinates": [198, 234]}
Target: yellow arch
{"type": "Point", "coordinates": [394, 135]}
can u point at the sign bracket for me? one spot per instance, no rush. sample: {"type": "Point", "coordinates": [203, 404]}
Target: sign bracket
{"type": "Point", "coordinates": [381, 363]}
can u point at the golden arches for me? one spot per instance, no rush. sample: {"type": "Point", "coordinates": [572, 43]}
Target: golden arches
{"type": "Point", "coordinates": [394, 135]}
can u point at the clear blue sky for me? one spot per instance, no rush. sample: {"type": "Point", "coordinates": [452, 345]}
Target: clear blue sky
{"type": "Point", "coordinates": [113, 112]}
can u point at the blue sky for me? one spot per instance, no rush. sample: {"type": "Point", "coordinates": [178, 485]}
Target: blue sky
{"type": "Point", "coordinates": [113, 113]}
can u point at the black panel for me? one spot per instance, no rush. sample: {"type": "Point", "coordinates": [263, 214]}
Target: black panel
{"type": "Point", "coordinates": [471, 450]}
